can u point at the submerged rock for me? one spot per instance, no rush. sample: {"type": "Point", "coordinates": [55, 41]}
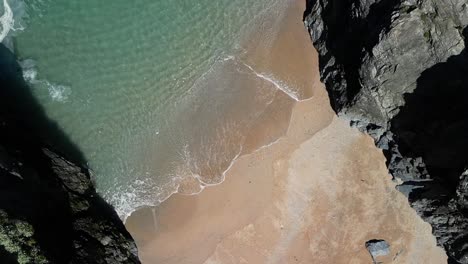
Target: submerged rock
{"type": "Point", "coordinates": [398, 70]}
{"type": "Point", "coordinates": [49, 209]}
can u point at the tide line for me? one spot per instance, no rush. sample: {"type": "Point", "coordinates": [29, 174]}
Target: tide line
{"type": "Point", "coordinates": [276, 83]}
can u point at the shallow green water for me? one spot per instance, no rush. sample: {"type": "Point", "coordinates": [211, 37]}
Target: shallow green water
{"type": "Point", "coordinates": [133, 84]}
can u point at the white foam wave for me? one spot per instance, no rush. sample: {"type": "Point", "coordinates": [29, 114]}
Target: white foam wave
{"type": "Point", "coordinates": [228, 58]}
{"type": "Point", "coordinates": [6, 20]}
{"type": "Point", "coordinates": [278, 84]}
{"type": "Point", "coordinates": [147, 193]}
{"type": "Point", "coordinates": [29, 69]}
{"type": "Point", "coordinates": [57, 92]}
{"type": "Point", "coordinates": [204, 184]}
{"type": "Point", "coordinates": [267, 77]}
{"type": "Point", "coordinates": [12, 18]}
{"type": "Point", "coordinates": [144, 193]}
{"type": "Point", "coordinates": [140, 193]}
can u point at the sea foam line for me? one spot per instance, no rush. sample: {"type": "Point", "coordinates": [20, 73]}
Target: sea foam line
{"type": "Point", "coordinates": [126, 212]}
{"type": "Point", "coordinates": [276, 83]}
{"type": "Point", "coordinates": [223, 175]}
{"type": "Point", "coordinates": [57, 92]}
{"type": "Point", "coordinates": [6, 20]}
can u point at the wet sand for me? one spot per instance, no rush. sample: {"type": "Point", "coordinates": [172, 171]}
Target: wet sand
{"type": "Point", "coordinates": [316, 195]}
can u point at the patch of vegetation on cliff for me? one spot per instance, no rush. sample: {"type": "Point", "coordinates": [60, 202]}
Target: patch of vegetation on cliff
{"type": "Point", "coordinates": [17, 237]}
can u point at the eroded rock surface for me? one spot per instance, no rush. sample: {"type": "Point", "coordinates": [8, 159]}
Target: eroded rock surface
{"type": "Point", "coordinates": [398, 70]}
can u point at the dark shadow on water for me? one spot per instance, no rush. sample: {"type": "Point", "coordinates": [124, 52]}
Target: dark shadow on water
{"type": "Point", "coordinates": [29, 189]}
{"type": "Point", "coordinates": [19, 105]}
{"type": "Point", "coordinates": [35, 197]}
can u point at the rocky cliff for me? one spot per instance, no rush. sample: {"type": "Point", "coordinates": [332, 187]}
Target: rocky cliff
{"type": "Point", "coordinates": [49, 209]}
{"type": "Point", "coordinates": [398, 70]}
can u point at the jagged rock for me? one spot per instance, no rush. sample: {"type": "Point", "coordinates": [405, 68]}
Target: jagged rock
{"type": "Point", "coordinates": [398, 70]}
{"type": "Point", "coordinates": [462, 191]}
{"type": "Point", "coordinates": [74, 178]}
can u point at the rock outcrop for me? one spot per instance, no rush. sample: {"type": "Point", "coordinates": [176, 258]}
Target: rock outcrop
{"type": "Point", "coordinates": [398, 70]}
{"type": "Point", "coordinates": [377, 248]}
{"type": "Point", "coordinates": [49, 209]}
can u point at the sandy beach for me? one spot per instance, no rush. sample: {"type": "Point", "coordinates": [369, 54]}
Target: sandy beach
{"type": "Point", "coordinates": [314, 193]}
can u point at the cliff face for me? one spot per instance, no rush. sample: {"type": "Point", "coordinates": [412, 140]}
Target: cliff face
{"type": "Point", "coordinates": [398, 70]}
{"type": "Point", "coordinates": [49, 209]}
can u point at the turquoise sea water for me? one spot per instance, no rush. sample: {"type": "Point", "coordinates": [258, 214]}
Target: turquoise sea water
{"type": "Point", "coordinates": [145, 88]}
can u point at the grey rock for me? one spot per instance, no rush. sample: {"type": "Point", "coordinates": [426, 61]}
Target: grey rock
{"type": "Point", "coordinates": [377, 248]}
{"type": "Point", "coordinates": [73, 177]}
{"type": "Point", "coordinates": [398, 70]}
{"type": "Point", "coordinates": [462, 191]}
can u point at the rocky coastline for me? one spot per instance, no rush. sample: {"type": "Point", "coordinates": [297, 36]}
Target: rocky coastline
{"type": "Point", "coordinates": [398, 71]}
{"type": "Point", "coordinates": [49, 209]}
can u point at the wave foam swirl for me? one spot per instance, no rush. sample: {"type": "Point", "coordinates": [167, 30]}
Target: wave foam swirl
{"type": "Point", "coordinates": [6, 20]}
{"type": "Point", "coordinates": [57, 92]}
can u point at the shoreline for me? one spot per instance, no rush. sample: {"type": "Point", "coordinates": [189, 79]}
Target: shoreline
{"type": "Point", "coordinates": [296, 199]}
{"type": "Point", "coordinates": [267, 81]}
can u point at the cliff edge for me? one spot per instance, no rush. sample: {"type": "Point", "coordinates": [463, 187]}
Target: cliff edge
{"type": "Point", "coordinates": [398, 70]}
{"type": "Point", "coordinates": [49, 209]}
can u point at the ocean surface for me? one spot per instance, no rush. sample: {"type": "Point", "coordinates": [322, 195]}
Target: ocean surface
{"type": "Point", "coordinates": [155, 93]}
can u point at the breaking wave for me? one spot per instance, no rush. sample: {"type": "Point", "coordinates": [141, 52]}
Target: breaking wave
{"type": "Point", "coordinates": [218, 152]}
{"type": "Point", "coordinates": [57, 92]}
{"type": "Point", "coordinates": [12, 18]}
{"type": "Point", "coordinates": [6, 20]}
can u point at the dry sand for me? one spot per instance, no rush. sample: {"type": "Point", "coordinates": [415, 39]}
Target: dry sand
{"type": "Point", "coordinates": [314, 196]}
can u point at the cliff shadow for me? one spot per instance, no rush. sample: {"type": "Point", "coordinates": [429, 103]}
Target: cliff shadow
{"type": "Point", "coordinates": [30, 189]}
{"type": "Point", "coordinates": [433, 125]}
{"type": "Point", "coordinates": [18, 105]}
